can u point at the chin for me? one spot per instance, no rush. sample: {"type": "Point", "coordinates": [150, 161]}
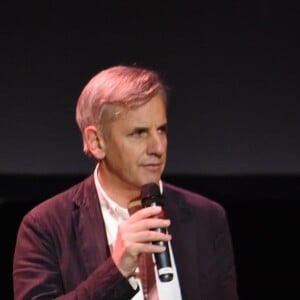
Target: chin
{"type": "Point", "coordinates": [150, 179]}
{"type": "Point", "coordinates": [145, 177]}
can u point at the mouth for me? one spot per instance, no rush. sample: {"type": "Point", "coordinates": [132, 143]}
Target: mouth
{"type": "Point", "coordinates": [152, 167]}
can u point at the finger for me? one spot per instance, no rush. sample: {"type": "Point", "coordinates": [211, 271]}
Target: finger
{"type": "Point", "coordinates": [145, 213]}
{"type": "Point", "coordinates": [148, 236]}
{"type": "Point", "coordinates": [144, 225]}
{"type": "Point", "coordinates": [148, 248]}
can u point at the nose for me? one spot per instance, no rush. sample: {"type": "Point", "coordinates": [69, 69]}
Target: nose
{"type": "Point", "coordinates": [157, 144]}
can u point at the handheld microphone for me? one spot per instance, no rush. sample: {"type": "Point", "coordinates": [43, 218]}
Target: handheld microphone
{"type": "Point", "coordinates": [151, 196]}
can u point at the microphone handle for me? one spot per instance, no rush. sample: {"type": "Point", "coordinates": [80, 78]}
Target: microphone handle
{"type": "Point", "coordinates": [162, 260]}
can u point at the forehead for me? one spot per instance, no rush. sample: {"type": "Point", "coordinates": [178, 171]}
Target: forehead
{"type": "Point", "coordinates": [152, 112]}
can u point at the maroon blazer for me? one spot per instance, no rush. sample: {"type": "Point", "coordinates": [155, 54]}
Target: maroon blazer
{"type": "Point", "coordinates": [62, 252]}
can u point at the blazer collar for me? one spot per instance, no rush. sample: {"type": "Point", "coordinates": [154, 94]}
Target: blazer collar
{"type": "Point", "coordinates": [89, 226]}
{"type": "Point", "coordinates": [183, 238]}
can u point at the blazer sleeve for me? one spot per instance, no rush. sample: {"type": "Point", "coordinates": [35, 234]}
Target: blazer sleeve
{"type": "Point", "coordinates": [36, 271]}
{"type": "Point", "coordinates": [226, 274]}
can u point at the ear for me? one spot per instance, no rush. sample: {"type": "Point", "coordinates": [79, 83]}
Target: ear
{"type": "Point", "coordinates": [94, 142]}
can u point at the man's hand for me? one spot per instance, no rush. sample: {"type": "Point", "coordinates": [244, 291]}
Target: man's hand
{"type": "Point", "coordinates": [135, 236]}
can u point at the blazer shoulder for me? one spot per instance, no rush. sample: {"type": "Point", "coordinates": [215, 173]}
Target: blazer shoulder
{"type": "Point", "coordinates": [64, 201]}
{"type": "Point", "coordinates": [191, 198]}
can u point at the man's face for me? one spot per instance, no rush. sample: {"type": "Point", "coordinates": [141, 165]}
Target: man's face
{"type": "Point", "coordinates": [135, 146]}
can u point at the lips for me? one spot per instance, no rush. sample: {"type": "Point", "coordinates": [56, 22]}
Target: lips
{"type": "Point", "coordinates": [153, 167]}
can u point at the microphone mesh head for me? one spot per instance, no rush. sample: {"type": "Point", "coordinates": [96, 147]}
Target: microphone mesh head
{"type": "Point", "coordinates": [151, 195]}
{"type": "Point", "coordinates": [150, 190]}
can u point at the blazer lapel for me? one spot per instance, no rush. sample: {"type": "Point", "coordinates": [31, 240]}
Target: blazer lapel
{"type": "Point", "coordinates": [183, 242]}
{"type": "Point", "coordinates": [89, 227]}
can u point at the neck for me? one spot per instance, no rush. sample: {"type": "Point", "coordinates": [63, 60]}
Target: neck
{"type": "Point", "coordinates": [119, 192]}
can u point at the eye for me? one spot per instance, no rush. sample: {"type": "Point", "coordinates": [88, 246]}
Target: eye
{"type": "Point", "coordinates": [138, 132]}
{"type": "Point", "coordinates": [162, 129]}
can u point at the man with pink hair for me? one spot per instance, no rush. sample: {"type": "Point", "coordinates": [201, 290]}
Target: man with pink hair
{"type": "Point", "coordinates": [84, 244]}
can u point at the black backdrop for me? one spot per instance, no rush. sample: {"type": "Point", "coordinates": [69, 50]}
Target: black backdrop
{"type": "Point", "coordinates": [232, 68]}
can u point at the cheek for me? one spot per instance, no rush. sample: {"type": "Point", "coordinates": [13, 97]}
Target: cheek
{"type": "Point", "coordinates": [128, 155]}
{"type": "Point", "coordinates": [136, 155]}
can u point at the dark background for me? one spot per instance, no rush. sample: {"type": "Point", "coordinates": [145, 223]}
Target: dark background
{"type": "Point", "coordinates": [233, 72]}
{"type": "Point", "coordinates": [232, 68]}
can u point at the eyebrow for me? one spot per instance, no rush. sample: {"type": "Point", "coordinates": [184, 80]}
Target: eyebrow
{"type": "Point", "coordinates": [145, 128]}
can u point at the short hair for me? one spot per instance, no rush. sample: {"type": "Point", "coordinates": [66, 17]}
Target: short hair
{"type": "Point", "coordinates": [126, 85]}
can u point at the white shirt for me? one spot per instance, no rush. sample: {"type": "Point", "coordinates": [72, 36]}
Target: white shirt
{"type": "Point", "coordinates": [113, 215]}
